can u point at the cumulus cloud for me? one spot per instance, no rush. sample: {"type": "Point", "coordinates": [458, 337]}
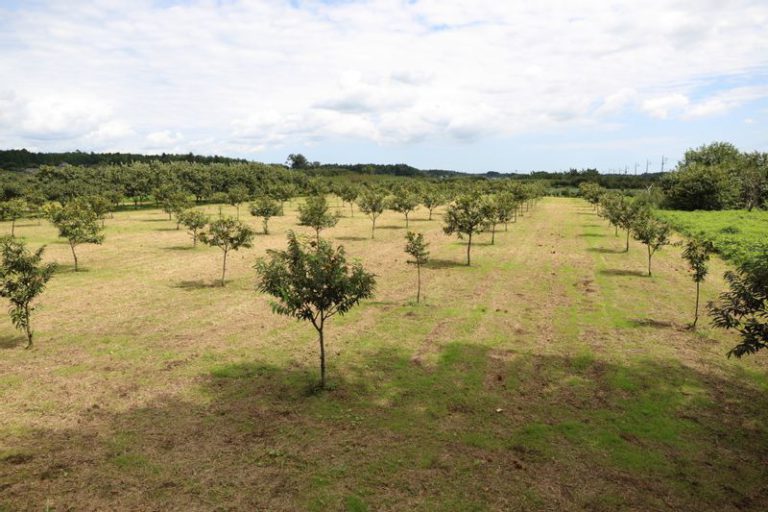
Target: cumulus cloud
{"type": "Point", "coordinates": [663, 107]}
{"type": "Point", "coordinates": [254, 76]}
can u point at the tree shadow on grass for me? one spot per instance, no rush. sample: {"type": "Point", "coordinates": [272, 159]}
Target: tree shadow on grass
{"type": "Point", "coordinates": [65, 268]}
{"type": "Point", "coordinates": [251, 435]}
{"type": "Point", "coordinates": [391, 227]}
{"type": "Point", "coordinates": [623, 272]}
{"type": "Point", "coordinates": [591, 235]}
{"type": "Point", "coordinates": [437, 263]}
{"type": "Point", "coordinates": [180, 248]}
{"type": "Point", "coordinates": [352, 238]}
{"type": "Point", "coordinates": [12, 341]}
{"type": "Point", "coordinates": [167, 229]}
{"type": "Point", "coordinates": [156, 220]}
{"type": "Point", "coordinates": [606, 250]}
{"type": "Point", "coordinates": [650, 322]}
{"type": "Point", "coordinates": [198, 284]}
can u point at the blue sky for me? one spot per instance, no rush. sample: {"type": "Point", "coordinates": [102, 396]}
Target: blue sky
{"type": "Point", "coordinates": [475, 86]}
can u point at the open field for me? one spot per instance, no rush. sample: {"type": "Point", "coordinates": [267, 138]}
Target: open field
{"type": "Point", "coordinates": [736, 234]}
{"type": "Point", "coordinates": [550, 375]}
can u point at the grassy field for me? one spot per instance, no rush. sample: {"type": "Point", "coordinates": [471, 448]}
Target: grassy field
{"type": "Point", "coordinates": [736, 234]}
{"type": "Point", "coordinates": [551, 375]}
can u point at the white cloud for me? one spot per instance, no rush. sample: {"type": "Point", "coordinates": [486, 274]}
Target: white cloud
{"type": "Point", "coordinates": [725, 101]}
{"type": "Point", "coordinates": [250, 76]}
{"type": "Point", "coordinates": [164, 138]}
{"type": "Point", "coordinates": [663, 107]}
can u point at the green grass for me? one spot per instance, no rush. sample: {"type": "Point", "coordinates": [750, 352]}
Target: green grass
{"type": "Point", "coordinates": [550, 375]}
{"type": "Point", "coordinates": [736, 234]}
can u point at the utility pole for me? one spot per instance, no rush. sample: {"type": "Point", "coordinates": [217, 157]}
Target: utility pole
{"type": "Point", "coordinates": [663, 161]}
{"type": "Point", "coordinates": [647, 164]}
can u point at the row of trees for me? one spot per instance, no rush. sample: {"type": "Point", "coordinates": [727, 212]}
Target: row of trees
{"type": "Point", "coordinates": [743, 307]}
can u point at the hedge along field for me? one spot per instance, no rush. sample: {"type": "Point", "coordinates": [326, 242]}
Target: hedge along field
{"type": "Point", "coordinates": [736, 234]}
{"type": "Point", "coordinates": [550, 375]}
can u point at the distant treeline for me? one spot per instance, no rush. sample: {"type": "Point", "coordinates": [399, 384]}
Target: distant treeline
{"type": "Point", "coordinates": [717, 176]}
{"type": "Point", "coordinates": [20, 159]}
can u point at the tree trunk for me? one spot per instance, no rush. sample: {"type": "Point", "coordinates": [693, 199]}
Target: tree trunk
{"type": "Point", "coordinates": [237, 209]}
{"type": "Point", "coordinates": [74, 254]}
{"type": "Point", "coordinates": [224, 268]}
{"type": "Point", "coordinates": [406, 221]}
{"type": "Point", "coordinates": [626, 249]}
{"type": "Point", "coordinates": [373, 227]}
{"type": "Point", "coordinates": [430, 214]}
{"type": "Point", "coordinates": [616, 230]}
{"type": "Point", "coordinates": [493, 234]}
{"type": "Point", "coordinates": [266, 226]}
{"type": "Point", "coordinates": [13, 228]}
{"type": "Point", "coordinates": [27, 328]}
{"type": "Point", "coordinates": [351, 209]}
{"type": "Point", "coordinates": [418, 283]}
{"type": "Point", "coordinates": [506, 226]}
{"type": "Point", "coordinates": [194, 238]}
{"type": "Point", "coordinates": [649, 260]}
{"type": "Point", "coordinates": [469, 248]}
{"type": "Point", "coordinates": [322, 355]}
{"type": "Point", "coordinates": [696, 314]}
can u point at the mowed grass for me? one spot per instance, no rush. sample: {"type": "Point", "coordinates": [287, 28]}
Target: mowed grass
{"type": "Point", "coordinates": [736, 234]}
{"type": "Point", "coordinates": [550, 375]}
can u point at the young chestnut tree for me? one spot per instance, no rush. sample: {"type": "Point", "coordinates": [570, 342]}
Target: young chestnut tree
{"type": "Point", "coordinates": [745, 306]}
{"type": "Point", "coordinates": [371, 202]}
{"type": "Point", "coordinates": [23, 277]}
{"type": "Point", "coordinates": [431, 198]}
{"type": "Point", "coordinates": [237, 195]}
{"type": "Point", "coordinates": [404, 201]}
{"type": "Point", "coordinates": [696, 254]}
{"type": "Point", "coordinates": [591, 192]}
{"type": "Point", "coordinates": [220, 199]}
{"type": "Point", "coordinates": [611, 207]}
{"type": "Point", "coordinates": [312, 281]}
{"type": "Point", "coordinates": [315, 214]}
{"type": "Point", "coordinates": [416, 247]}
{"type": "Point", "coordinates": [492, 214]}
{"type": "Point", "coordinates": [13, 210]}
{"type": "Point", "coordinates": [171, 199]}
{"type": "Point", "coordinates": [228, 234]}
{"type": "Point", "coordinates": [628, 212]}
{"type": "Point", "coordinates": [266, 208]}
{"type": "Point", "coordinates": [282, 193]}
{"type": "Point", "coordinates": [348, 194]}
{"type": "Point", "coordinates": [466, 216]}
{"type": "Point", "coordinates": [651, 231]}
{"type": "Point", "coordinates": [194, 221]}
{"type": "Point", "coordinates": [506, 207]}
{"type": "Point", "coordinates": [101, 206]}
{"type": "Point", "coordinates": [78, 223]}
